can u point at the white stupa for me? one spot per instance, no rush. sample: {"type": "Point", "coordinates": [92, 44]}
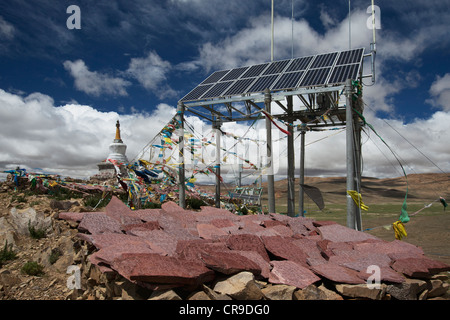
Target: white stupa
{"type": "Point", "coordinates": [117, 150]}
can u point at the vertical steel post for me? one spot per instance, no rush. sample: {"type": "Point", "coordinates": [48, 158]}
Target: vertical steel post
{"type": "Point", "coordinates": [216, 126]}
{"type": "Point", "coordinates": [351, 206]}
{"type": "Point", "coordinates": [302, 171]}
{"type": "Point", "coordinates": [291, 161]}
{"type": "Point", "coordinates": [181, 167]}
{"type": "Point", "coordinates": [270, 179]}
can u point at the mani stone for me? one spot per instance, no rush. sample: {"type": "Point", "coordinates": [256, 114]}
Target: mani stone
{"type": "Point", "coordinates": [339, 233]}
{"type": "Point", "coordinates": [156, 268]}
{"type": "Point", "coordinates": [337, 273]}
{"type": "Point", "coordinates": [291, 273]}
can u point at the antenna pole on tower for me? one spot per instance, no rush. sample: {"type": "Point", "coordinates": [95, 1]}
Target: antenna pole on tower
{"type": "Point", "coordinates": [271, 43]}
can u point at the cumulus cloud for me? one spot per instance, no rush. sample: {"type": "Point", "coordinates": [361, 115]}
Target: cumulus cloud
{"type": "Point", "coordinates": [69, 139]}
{"type": "Point", "coordinates": [151, 72]}
{"type": "Point", "coordinates": [440, 92]}
{"type": "Point", "coordinates": [95, 83]}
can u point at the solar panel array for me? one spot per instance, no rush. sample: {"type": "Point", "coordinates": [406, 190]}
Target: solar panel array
{"type": "Point", "coordinates": [323, 69]}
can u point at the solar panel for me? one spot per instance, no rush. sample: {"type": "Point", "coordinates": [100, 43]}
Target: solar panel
{"type": "Point", "coordinates": [299, 64]}
{"type": "Point", "coordinates": [263, 83]}
{"type": "Point", "coordinates": [197, 92]}
{"type": "Point", "coordinates": [319, 70]}
{"type": "Point", "coordinates": [342, 73]}
{"type": "Point", "coordinates": [351, 56]}
{"type": "Point", "coordinates": [216, 76]}
{"type": "Point", "coordinates": [255, 71]}
{"type": "Point", "coordinates": [324, 60]}
{"type": "Point", "coordinates": [276, 67]}
{"type": "Point", "coordinates": [315, 77]}
{"type": "Point", "coordinates": [234, 74]}
{"type": "Point", "coordinates": [217, 89]}
{"type": "Point", "coordinates": [239, 86]}
{"type": "Point", "coordinates": [288, 80]}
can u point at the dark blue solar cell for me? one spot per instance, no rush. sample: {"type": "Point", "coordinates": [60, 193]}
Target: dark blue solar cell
{"type": "Point", "coordinates": [350, 56]}
{"type": "Point", "coordinates": [276, 67]}
{"type": "Point", "coordinates": [255, 71]}
{"type": "Point", "coordinates": [324, 60]}
{"type": "Point", "coordinates": [197, 92]}
{"type": "Point", "coordinates": [288, 81]}
{"type": "Point", "coordinates": [217, 89]}
{"type": "Point", "coordinates": [315, 77]}
{"type": "Point", "coordinates": [299, 64]}
{"type": "Point", "coordinates": [239, 87]}
{"type": "Point", "coordinates": [216, 76]}
{"type": "Point", "coordinates": [263, 83]}
{"type": "Point", "coordinates": [340, 74]}
{"type": "Point", "coordinates": [234, 74]}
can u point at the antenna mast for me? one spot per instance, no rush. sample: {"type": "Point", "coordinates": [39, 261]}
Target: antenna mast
{"type": "Point", "coordinates": [373, 45]}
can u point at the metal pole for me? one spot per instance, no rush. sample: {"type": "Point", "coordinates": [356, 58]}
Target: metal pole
{"type": "Point", "coordinates": [351, 206]}
{"type": "Point", "coordinates": [349, 25]}
{"type": "Point", "coordinates": [181, 167]}
{"type": "Point", "coordinates": [357, 136]}
{"type": "Point", "coordinates": [270, 179]}
{"type": "Point", "coordinates": [216, 126]}
{"type": "Point", "coordinates": [302, 171]}
{"type": "Point", "coordinates": [271, 43]}
{"type": "Point", "coordinates": [291, 162]}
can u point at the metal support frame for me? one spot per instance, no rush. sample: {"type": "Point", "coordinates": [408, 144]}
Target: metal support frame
{"type": "Point", "coordinates": [353, 150]}
{"type": "Point", "coordinates": [309, 97]}
{"type": "Point", "coordinates": [270, 178]}
{"type": "Point", "coordinates": [181, 167]}
{"type": "Point", "coordinates": [216, 127]}
{"type": "Point", "coordinates": [291, 160]}
{"type": "Point", "coordinates": [302, 171]}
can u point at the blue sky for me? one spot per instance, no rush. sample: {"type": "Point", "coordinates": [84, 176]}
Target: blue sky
{"type": "Point", "coordinates": [61, 90]}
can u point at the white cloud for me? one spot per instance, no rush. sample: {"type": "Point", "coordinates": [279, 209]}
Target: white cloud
{"type": "Point", "coordinates": [7, 30]}
{"type": "Point", "coordinates": [440, 92]}
{"type": "Point", "coordinates": [151, 72]}
{"type": "Point", "coordinates": [69, 139]}
{"type": "Point", "coordinates": [94, 83]}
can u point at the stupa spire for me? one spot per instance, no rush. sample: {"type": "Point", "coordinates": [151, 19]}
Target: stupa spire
{"type": "Point", "coordinates": [117, 138]}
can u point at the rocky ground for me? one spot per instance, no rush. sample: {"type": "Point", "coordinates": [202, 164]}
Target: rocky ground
{"type": "Point", "coordinates": [22, 211]}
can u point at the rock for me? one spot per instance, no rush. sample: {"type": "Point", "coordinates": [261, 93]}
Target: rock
{"type": "Point", "coordinates": [7, 233]}
{"type": "Point", "coordinates": [313, 292]}
{"type": "Point", "coordinates": [62, 205]}
{"type": "Point", "coordinates": [339, 233]}
{"type": "Point", "coordinates": [407, 290]}
{"type": "Point", "coordinates": [199, 295]}
{"type": "Point", "coordinates": [155, 268]}
{"type": "Point", "coordinates": [291, 273]}
{"type": "Point", "coordinates": [229, 262]}
{"type": "Point", "coordinates": [215, 295]}
{"type": "Point", "coordinates": [164, 295]}
{"type": "Point", "coordinates": [241, 286]}
{"type": "Point", "coordinates": [278, 292]}
{"type": "Point", "coordinates": [361, 291]}
{"type": "Point", "coordinates": [337, 273]}
{"type": "Point", "coordinates": [419, 267]}
{"type": "Point", "coordinates": [247, 242]}
{"type": "Point", "coordinates": [98, 223]}
{"type": "Point", "coordinates": [21, 220]}
{"type": "Point", "coordinates": [209, 231]}
{"type": "Point", "coordinates": [436, 288]}
{"type": "Point", "coordinates": [284, 248]}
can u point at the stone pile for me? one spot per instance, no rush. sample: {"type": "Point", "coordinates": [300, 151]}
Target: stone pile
{"type": "Point", "coordinates": [216, 255]}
